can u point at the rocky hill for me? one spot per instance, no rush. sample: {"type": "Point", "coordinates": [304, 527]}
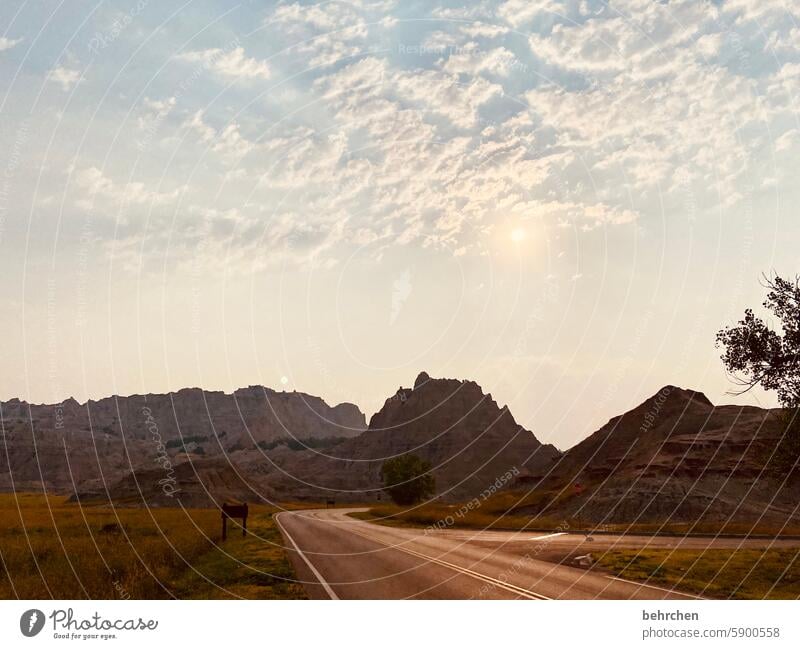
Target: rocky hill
{"type": "Point", "coordinates": [58, 447]}
{"type": "Point", "coordinates": [675, 457]}
{"type": "Point", "coordinates": [470, 442]}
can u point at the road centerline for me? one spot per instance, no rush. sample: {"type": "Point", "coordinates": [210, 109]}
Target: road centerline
{"type": "Point", "coordinates": [517, 590]}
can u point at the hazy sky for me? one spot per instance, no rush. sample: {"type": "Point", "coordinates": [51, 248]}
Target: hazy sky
{"type": "Point", "coordinates": [561, 200]}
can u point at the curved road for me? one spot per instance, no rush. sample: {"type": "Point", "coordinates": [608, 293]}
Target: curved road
{"type": "Point", "coordinates": [339, 557]}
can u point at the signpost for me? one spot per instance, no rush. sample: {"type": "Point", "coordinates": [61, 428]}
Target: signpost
{"type": "Point", "coordinates": [233, 511]}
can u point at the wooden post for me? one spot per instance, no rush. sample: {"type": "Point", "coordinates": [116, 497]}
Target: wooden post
{"type": "Point", "coordinates": [234, 511]}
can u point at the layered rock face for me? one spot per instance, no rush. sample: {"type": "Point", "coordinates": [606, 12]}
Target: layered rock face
{"type": "Point", "coordinates": [470, 442]}
{"type": "Point", "coordinates": [674, 458]}
{"type": "Point", "coordinates": [677, 457]}
{"type": "Point", "coordinates": [62, 446]}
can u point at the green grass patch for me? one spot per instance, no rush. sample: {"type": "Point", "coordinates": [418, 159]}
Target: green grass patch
{"type": "Point", "coordinates": [252, 567]}
{"type": "Point", "coordinates": [455, 517]}
{"type": "Point", "coordinates": [502, 512]}
{"type": "Point", "coordinates": [717, 574]}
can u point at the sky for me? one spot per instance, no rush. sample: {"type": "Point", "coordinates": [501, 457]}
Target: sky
{"type": "Point", "coordinates": [563, 201]}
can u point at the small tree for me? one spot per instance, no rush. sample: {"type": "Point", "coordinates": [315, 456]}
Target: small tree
{"type": "Point", "coordinates": [407, 479]}
{"type": "Point", "coordinates": [757, 354]}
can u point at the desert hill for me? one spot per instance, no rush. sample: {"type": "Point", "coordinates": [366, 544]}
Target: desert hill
{"type": "Point", "coordinates": [60, 446]}
{"type": "Point", "coordinates": [467, 438]}
{"type": "Point", "coordinates": [676, 457]}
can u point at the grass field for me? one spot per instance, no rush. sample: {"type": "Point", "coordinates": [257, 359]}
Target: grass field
{"type": "Point", "coordinates": [53, 549]}
{"type": "Point", "coordinates": [716, 574]}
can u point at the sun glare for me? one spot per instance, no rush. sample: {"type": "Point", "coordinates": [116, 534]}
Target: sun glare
{"type": "Point", "coordinates": [518, 235]}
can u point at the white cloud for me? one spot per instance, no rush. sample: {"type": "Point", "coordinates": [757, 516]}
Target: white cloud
{"type": "Point", "coordinates": [231, 144]}
{"type": "Point", "coordinates": [228, 142]}
{"type": "Point", "coordinates": [520, 12]}
{"type": "Point", "coordinates": [65, 77]}
{"type": "Point", "coordinates": [483, 30]}
{"type": "Point", "coordinates": [154, 112]}
{"type": "Point", "coordinates": [231, 64]}
{"type": "Point", "coordinates": [96, 185]}
{"type": "Point", "coordinates": [379, 147]}
{"type": "Point", "coordinates": [655, 106]}
{"type": "Point", "coordinates": [321, 35]}
{"type": "Point", "coordinates": [782, 42]}
{"type": "Point", "coordinates": [347, 18]}
{"type": "Point", "coordinates": [325, 50]}
{"type": "Point", "coordinates": [473, 62]}
{"type": "Point", "coordinates": [788, 140]}
{"type": "Point", "coordinates": [445, 95]}
{"type": "Point", "coordinates": [206, 132]}
{"type": "Point", "coordinates": [8, 43]}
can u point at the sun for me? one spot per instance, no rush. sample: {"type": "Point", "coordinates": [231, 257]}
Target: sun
{"type": "Point", "coordinates": [518, 235]}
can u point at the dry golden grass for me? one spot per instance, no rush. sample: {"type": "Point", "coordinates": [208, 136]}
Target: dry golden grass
{"type": "Point", "coordinates": [717, 574]}
{"type": "Point", "coordinates": [441, 516]}
{"type": "Point", "coordinates": [498, 513]}
{"type": "Point", "coordinates": [53, 549]}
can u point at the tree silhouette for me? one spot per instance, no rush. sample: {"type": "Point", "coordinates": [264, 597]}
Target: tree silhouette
{"type": "Point", "coordinates": [756, 354]}
{"type": "Point", "coordinates": [407, 479]}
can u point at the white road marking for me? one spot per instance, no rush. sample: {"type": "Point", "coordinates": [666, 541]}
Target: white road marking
{"type": "Point", "coordinates": [517, 590]}
{"type": "Point", "coordinates": [319, 577]}
{"type": "Point", "coordinates": [666, 590]}
{"type": "Point", "coordinates": [547, 536]}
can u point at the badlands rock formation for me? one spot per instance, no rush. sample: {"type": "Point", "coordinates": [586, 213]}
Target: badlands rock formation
{"type": "Point", "coordinates": [64, 446]}
{"type": "Point", "coordinates": [468, 439]}
{"type": "Point", "coordinates": [676, 457]}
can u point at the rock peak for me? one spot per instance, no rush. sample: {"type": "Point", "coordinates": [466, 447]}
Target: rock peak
{"type": "Point", "coordinates": [678, 395]}
{"type": "Point", "coordinates": [421, 380]}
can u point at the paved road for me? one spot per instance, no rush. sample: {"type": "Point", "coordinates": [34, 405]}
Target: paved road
{"type": "Point", "coordinates": [339, 557]}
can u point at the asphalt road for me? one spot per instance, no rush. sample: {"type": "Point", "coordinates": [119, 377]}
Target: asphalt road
{"type": "Point", "coordinates": [339, 557]}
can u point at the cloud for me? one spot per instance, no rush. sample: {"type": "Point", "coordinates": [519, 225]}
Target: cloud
{"type": "Point", "coordinates": [203, 130]}
{"type": "Point", "coordinates": [231, 64]}
{"type": "Point", "coordinates": [665, 96]}
{"type": "Point", "coordinates": [597, 118]}
{"type": "Point", "coordinates": [788, 140]}
{"type": "Point", "coordinates": [521, 12]}
{"type": "Point", "coordinates": [498, 62]}
{"type": "Point", "coordinates": [326, 50]}
{"type": "Point", "coordinates": [95, 185]}
{"type": "Point", "coordinates": [228, 141]}
{"type": "Point", "coordinates": [321, 35]}
{"type": "Point", "coordinates": [483, 30]}
{"type": "Point", "coordinates": [8, 43]}
{"type": "Point", "coordinates": [325, 17]}
{"type": "Point", "coordinates": [231, 144]}
{"type": "Point", "coordinates": [65, 77]}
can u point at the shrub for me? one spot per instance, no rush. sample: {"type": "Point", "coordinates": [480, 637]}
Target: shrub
{"type": "Point", "coordinates": [407, 479]}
